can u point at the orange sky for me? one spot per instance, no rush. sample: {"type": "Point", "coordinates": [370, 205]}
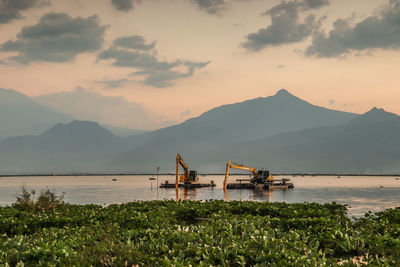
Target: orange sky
{"type": "Point", "coordinates": [355, 81]}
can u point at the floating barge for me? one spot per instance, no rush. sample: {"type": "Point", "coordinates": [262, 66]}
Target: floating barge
{"type": "Point", "coordinates": [276, 184]}
{"type": "Point", "coordinates": [187, 185]}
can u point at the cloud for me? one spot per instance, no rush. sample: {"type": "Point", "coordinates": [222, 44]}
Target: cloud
{"type": "Point", "coordinates": [213, 7]}
{"type": "Point", "coordinates": [124, 5]}
{"type": "Point", "coordinates": [313, 4]}
{"type": "Point", "coordinates": [134, 42]}
{"type": "Point", "coordinates": [155, 72]}
{"type": "Point", "coordinates": [374, 32]}
{"type": "Point", "coordinates": [281, 66]}
{"type": "Point", "coordinates": [56, 38]}
{"type": "Point", "coordinates": [11, 9]}
{"type": "Point", "coordinates": [185, 113]}
{"type": "Point", "coordinates": [285, 27]}
{"type": "Point", "coordinates": [112, 84]}
{"type": "Point", "coordinates": [162, 77]}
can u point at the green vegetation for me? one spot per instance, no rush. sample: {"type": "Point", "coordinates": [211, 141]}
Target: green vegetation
{"type": "Point", "coordinates": [46, 200]}
{"type": "Point", "coordinates": [184, 233]}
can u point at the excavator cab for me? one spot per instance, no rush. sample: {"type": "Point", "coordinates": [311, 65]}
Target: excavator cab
{"type": "Point", "coordinates": [262, 176]}
{"type": "Point", "coordinates": [193, 176]}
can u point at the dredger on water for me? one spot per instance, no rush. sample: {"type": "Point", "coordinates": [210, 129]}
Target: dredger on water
{"type": "Point", "coordinates": [261, 179]}
{"type": "Point", "coordinates": [189, 179]}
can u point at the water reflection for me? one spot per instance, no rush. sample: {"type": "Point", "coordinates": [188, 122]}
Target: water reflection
{"type": "Point", "coordinates": [360, 193]}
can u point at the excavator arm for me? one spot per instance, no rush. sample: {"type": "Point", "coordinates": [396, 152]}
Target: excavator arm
{"type": "Point", "coordinates": [179, 161]}
{"type": "Point", "coordinates": [230, 165]}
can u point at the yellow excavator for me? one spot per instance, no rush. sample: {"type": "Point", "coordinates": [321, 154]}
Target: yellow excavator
{"type": "Point", "coordinates": [188, 177]}
{"type": "Point", "coordinates": [259, 176]}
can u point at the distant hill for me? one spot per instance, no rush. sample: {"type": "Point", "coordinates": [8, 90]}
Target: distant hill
{"type": "Point", "coordinates": [115, 111]}
{"type": "Point", "coordinates": [19, 115]}
{"type": "Point", "coordinates": [77, 146]}
{"type": "Point", "coordinates": [123, 132]}
{"type": "Point", "coordinates": [282, 133]}
{"type": "Point", "coordinates": [370, 143]}
{"type": "Point", "coordinates": [197, 138]}
{"type": "Point", "coordinates": [268, 116]}
{"type": "Point", "coordinates": [159, 148]}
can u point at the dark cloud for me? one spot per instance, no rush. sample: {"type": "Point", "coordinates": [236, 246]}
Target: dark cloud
{"type": "Point", "coordinates": [56, 38]}
{"type": "Point", "coordinates": [285, 27]}
{"type": "Point", "coordinates": [11, 9]}
{"type": "Point", "coordinates": [313, 4]}
{"type": "Point", "coordinates": [213, 7]}
{"type": "Point", "coordinates": [112, 84]}
{"type": "Point", "coordinates": [135, 59]}
{"type": "Point", "coordinates": [155, 72]}
{"type": "Point", "coordinates": [134, 42]}
{"type": "Point", "coordinates": [124, 5]}
{"type": "Point", "coordinates": [161, 77]}
{"type": "Point", "coordinates": [380, 31]}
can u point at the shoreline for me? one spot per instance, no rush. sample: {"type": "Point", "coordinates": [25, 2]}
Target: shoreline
{"type": "Point", "coordinates": [202, 174]}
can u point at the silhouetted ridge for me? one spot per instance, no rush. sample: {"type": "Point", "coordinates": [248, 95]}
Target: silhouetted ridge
{"type": "Point", "coordinates": [375, 115]}
{"type": "Point", "coordinates": [76, 146]}
{"type": "Point", "coordinates": [78, 128]}
{"type": "Point", "coordinates": [253, 119]}
{"type": "Point", "coordinates": [19, 115]}
{"type": "Point", "coordinates": [7, 95]}
{"type": "Point", "coordinates": [284, 97]}
{"type": "Point", "coordinates": [283, 92]}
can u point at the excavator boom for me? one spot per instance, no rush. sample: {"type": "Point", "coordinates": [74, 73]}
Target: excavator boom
{"type": "Point", "coordinates": [188, 176]}
{"type": "Point", "coordinates": [255, 172]}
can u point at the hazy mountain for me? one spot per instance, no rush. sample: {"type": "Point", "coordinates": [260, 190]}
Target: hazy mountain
{"type": "Point", "coordinates": [108, 110]}
{"type": "Point", "coordinates": [335, 141]}
{"type": "Point", "coordinates": [159, 148]}
{"type": "Point", "coordinates": [369, 143]}
{"type": "Point", "coordinates": [77, 146]}
{"type": "Point", "coordinates": [268, 116]}
{"type": "Point", "coordinates": [20, 115]}
{"type": "Point", "coordinates": [197, 138]}
{"type": "Point", "coordinates": [123, 132]}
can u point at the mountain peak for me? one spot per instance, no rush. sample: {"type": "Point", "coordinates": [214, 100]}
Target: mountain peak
{"type": "Point", "coordinates": [379, 113]}
{"type": "Point", "coordinates": [283, 92]}
{"type": "Point", "coordinates": [375, 115]}
{"type": "Point", "coordinates": [11, 95]}
{"type": "Point", "coordinates": [376, 110]}
{"type": "Point", "coordinates": [78, 128]}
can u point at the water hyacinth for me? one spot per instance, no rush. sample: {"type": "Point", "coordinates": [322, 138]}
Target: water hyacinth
{"type": "Point", "coordinates": [183, 233]}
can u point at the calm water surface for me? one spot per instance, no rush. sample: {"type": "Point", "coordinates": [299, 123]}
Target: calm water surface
{"type": "Point", "coordinates": [362, 194]}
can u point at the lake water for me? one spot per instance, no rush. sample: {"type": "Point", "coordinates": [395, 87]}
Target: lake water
{"type": "Point", "coordinates": [361, 193]}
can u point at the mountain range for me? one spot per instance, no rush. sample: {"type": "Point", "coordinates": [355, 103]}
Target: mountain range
{"type": "Point", "coordinates": [19, 115]}
{"type": "Point", "coordinates": [197, 138]}
{"type": "Point", "coordinates": [78, 146]}
{"type": "Point", "coordinates": [106, 110]}
{"type": "Point", "coordinates": [22, 115]}
{"type": "Point", "coordinates": [369, 143]}
{"type": "Point", "coordinates": [282, 133]}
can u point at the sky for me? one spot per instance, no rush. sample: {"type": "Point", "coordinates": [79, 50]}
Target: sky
{"type": "Point", "coordinates": [177, 59]}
